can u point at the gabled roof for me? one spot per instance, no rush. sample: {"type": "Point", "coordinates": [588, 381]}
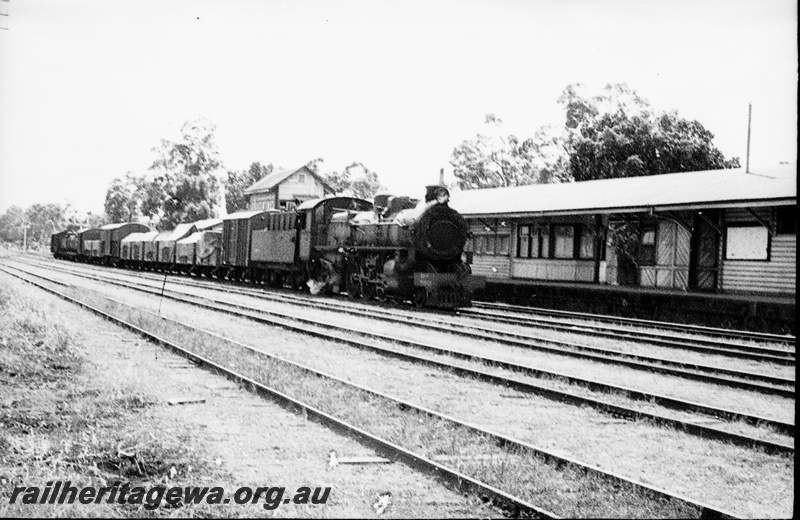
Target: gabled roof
{"type": "Point", "coordinates": [711, 188]}
{"type": "Point", "coordinates": [278, 176]}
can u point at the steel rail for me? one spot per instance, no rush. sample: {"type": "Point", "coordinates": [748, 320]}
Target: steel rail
{"type": "Point", "coordinates": [774, 354]}
{"type": "Point", "coordinates": [562, 396]}
{"type": "Point", "coordinates": [464, 483]}
{"type": "Point", "coordinates": [516, 505]}
{"type": "Point", "coordinates": [637, 362]}
{"type": "Point", "coordinates": [764, 354]}
{"type": "Point", "coordinates": [665, 325]}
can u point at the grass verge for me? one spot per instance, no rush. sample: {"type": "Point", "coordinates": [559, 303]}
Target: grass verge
{"type": "Point", "coordinates": [58, 423]}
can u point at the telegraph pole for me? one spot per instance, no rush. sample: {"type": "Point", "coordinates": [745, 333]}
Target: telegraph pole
{"type": "Point", "coordinates": [749, 119]}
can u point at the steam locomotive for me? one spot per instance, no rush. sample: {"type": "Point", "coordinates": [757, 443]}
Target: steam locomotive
{"type": "Point", "coordinates": [395, 248]}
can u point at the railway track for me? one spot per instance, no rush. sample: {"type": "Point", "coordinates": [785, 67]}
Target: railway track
{"type": "Point", "coordinates": [752, 381]}
{"type": "Point", "coordinates": [635, 322]}
{"type": "Point", "coordinates": [465, 482]}
{"type": "Point", "coordinates": [779, 356]}
{"type": "Point", "coordinates": [344, 335]}
{"type": "Point", "coordinates": [730, 349]}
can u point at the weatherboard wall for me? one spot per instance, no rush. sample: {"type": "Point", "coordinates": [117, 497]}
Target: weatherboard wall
{"type": "Point", "coordinates": [777, 274]}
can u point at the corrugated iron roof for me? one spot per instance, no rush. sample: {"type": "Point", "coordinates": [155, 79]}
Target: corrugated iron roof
{"type": "Point", "coordinates": [673, 190]}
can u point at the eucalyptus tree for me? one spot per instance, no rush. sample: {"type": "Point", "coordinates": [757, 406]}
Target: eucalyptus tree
{"type": "Point", "coordinates": [617, 133]}
{"type": "Point", "coordinates": [186, 173]}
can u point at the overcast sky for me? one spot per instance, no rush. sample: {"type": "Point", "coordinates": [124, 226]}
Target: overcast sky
{"type": "Point", "coordinates": [89, 87]}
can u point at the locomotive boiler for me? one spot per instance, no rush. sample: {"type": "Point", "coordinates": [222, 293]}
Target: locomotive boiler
{"type": "Point", "coordinates": [407, 250]}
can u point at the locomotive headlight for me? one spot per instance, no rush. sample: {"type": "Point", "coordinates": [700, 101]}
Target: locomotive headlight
{"type": "Point", "coordinates": [442, 195]}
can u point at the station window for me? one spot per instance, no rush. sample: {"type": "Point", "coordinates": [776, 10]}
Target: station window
{"type": "Point", "coordinates": [647, 246]}
{"type": "Point", "coordinates": [488, 244]}
{"type": "Point", "coordinates": [787, 220]}
{"type": "Point", "coordinates": [587, 243]}
{"type": "Point", "coordinates": [747, 243]}
{"type": "Point", "coordinates": [533, 241]}
{"type": "Point", "coordinates": [564, 246]}
{"type": "Point", "coordinates": [301, 178]}
{"type": "Point", "coordinates": [493, 240]}
{"type": "Point", "coordinates": [523, 242]}
{"type": "Point", "coordinates": [502, 244]}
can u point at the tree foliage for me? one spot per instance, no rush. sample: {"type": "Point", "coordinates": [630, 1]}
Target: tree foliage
{"type": "Point", "coordinates": [615, 133]}
{"type": "Point", "coordinates": [355, 180]}
{"type": "Point", "coordinates": [494, 159]}
{"type": "Point", "coordinates": [238, 181]}
{"type": "Point", "coordinates": [44, 220]}
{"type": "Point", "coordinates": [12, 223]}
{"type": "Point", "coordinates": [40, 220]}
{"type": "Point", "coordinates": [618, 134]}
{"type": "Point", "coordinates": [185, 180]}
{"type": "Point", "coordinates": [124, 198]}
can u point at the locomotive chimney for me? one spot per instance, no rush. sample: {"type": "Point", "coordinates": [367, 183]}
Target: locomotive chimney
{"type": "Point", "coordinates": [437, 193]}
{"type": "Point", "coordinates": [441, 176]}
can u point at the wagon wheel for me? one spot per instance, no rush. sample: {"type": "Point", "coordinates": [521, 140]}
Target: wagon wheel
{"type": "Point", "coordinates": [380, 291]}
{"type": "Point", "coordinates": [369, 290]}
{"type": "Point", "coordinates": [299, 282]}
{"type": "Point", "coordinates": [420, 297]}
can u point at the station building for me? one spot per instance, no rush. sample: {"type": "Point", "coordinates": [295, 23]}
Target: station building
{"type": "Point", "coordinates": [286, 189]}
{"type": "Point", "coordinates": [726, 235]}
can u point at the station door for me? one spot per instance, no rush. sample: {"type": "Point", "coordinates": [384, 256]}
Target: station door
{"type": "Point", "coordinates": [672, 258]}
{"type": "Point", "coordinates": [705, 252]}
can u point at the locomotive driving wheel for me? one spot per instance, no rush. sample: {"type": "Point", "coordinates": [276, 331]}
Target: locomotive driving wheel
{"type": "Point", "coordinates": [369, 290]}
{"type": "Point", "coordinates": [354, 287]}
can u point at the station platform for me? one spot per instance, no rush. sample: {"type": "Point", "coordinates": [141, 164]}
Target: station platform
{"type": "Point", "coordinates": [762, 313]}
